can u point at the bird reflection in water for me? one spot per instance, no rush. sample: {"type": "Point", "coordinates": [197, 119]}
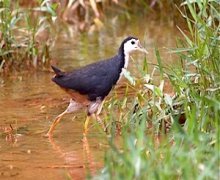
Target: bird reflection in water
{"type": "Point", "coordinates": [79, 164]}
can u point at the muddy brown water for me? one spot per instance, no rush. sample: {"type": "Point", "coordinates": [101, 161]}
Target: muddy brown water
{"type": "Point", "coordinates": [30, 101]}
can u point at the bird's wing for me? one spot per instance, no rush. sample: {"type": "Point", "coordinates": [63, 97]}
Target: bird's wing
{"type": "Point", "coordinates": [95, 80]}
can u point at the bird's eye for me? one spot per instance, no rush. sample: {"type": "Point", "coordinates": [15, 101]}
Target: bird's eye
{"type": "Point", "coordinates": [132, 42]}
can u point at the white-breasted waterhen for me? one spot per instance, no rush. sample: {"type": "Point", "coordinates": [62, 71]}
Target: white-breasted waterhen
{"type": "Point", "coordinates": [89, 85]}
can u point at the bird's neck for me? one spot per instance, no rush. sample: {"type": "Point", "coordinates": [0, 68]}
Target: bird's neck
{"type": "Point", "coordinates": [126, 60]}
{"type": "Point", "coordinates": [124, 57]}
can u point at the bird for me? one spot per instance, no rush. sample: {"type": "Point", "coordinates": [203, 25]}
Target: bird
{"type": "Point", "coordinates": [88, 86]}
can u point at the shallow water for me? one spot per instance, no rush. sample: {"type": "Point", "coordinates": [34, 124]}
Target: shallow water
{"type": "Point", "coordinates": [30, 101]}
{"type": "Point", "coordinates": [28, 104]}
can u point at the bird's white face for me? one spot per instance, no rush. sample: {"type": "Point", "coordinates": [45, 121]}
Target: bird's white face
{"type": "Point", "coordinates": [133, 45]}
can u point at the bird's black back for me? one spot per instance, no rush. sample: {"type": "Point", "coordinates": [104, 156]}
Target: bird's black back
{"type": "Point", "coordinates": [94, 80]}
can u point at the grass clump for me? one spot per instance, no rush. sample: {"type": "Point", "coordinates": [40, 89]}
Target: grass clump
{"type": "Point", "coordinates": [190, 150]}
{"type": "Point", "coordinates": [24, 35]}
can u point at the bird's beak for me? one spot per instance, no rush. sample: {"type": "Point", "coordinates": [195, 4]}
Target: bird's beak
{"type": "Point", "coordinates": [140, 48]}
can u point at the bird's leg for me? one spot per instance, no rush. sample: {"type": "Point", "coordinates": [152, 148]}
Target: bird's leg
{"type": "Point", "coordinates": [99, 120]}
{"type": "Point", "coordinates": [92, 109]}
{"type": "Point", "coordinates": [73, 106]}
{"type": "Point", "coordinates": [100, 108]}
{"type": "Point", "coordinates": [55, 122]}
{"type": "Point", "coordinates": [86, 124]}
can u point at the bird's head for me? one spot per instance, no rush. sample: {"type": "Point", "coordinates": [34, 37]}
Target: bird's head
{"type": "Point", "coordinates": [131, 44]}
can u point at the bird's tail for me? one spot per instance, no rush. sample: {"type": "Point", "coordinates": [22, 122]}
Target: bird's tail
{"type": "Point", "coordinates": [57, 71]}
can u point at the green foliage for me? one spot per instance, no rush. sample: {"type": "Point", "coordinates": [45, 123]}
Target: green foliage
{"type": "Point", "coordinates": [200, 69]}
{"type": "Point", "coordinates": [21, 32]}
{"type": "Point", "coordinates": [188, 151]}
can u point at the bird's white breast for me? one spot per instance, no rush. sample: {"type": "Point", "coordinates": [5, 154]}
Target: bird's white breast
{"type": "Point", "coordinates": [126, 60]}
{"type": "Point", "coordinates": [125, 67]}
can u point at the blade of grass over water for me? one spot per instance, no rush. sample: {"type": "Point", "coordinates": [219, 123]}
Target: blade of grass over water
{"type": "Point", "coordinates": [159, 62]}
